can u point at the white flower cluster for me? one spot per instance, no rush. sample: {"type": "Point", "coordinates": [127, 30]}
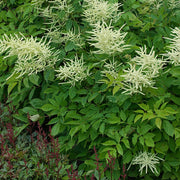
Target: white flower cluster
{"type": "Point", "coordinates": [174, 4]}
{"type": "Point", "coordinates": [146, 160]}
{"type": "Point", "coordinates": [32, 56]}
{"type": "Point", "coordinates": [50, 12]}
{"type": "Point", "coordinates": [38, 3]}
{"type": "Point", "coordinates": [100, 10]}
{"type": "Point", "coordinates": [111, 68]}
{"type": "Point", "coordinates": [174, 54]}
{"type": "Point", "coordinates": [107, 40]}
{"type": "Point", "coordinates": [143, 69]}
{"type": "Point", "coordinates": [73, 71]}
{"type": "Point", "coordinates": [57, 36]}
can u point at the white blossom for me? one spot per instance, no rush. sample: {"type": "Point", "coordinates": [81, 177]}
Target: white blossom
{"type": "Point", "coordinates": [148, 62]}
{"type": "Point", "coordinates": [173, 54]}
{"type": "Point", "coordinates": [107, 40]}
{"type": "Point", "coordinates": [135, 79]}
{"type": "Point", "coordinates": [72, 71]}
{"type": "Point", "coordinates": [100, 10]}
{"type": "Point", "coordinates": [32, 55]}
{"type": "Point", "coordinates": [146, 160]}
{"type": "Point", "coordinates": [111, 68]}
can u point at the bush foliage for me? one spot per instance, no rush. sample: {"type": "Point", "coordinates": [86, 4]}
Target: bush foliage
{"type": "Point", "coordinates": [106, 80]}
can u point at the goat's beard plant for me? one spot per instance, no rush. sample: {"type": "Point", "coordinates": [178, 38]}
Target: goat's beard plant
{"type": "Point", "coordinates": [96, 23]}
{"type": "Point", "coordinates": [32, 56]}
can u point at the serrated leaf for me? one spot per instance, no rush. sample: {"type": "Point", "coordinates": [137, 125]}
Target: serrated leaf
{"type": "Point", "coordinates": [126, 142]}
{"type": "Point", "coordinates": [144, 106]}
{"type": "Point", "coordinates": [123, 115]}
{"type": "Point", "coordinates": [109, 143]}
{"type": "Point", "coordinates": [115, 89]}
{"type": "Point", "coordinates": [48, 107]}
{"type": "Point", "coordinates": [74, 130]}
{"type": "Point", "coordinates": [72, 92]}
{"type": "Point", "coordinates": [18, 130]}
{"type": "Point", "coordinates": [137, 117]}
{"type": "Point", "coordinates": [36, 103]}
{"type": "Point", "coordinates": [127, 157]}
{"type": "Point", "coordinates": [34, 78]}
{"type": "Point", "coordinates": [168, 127]}
{"type": "Point", "coordinates": [53, 121]}
{"type": "Point", "coordinates": [55, 129]}
{"type": "Point", "coordinates": [158, 122]}
{"type": "Point", "coordinates": [119, 149]}
{"type": "Point", "coordinates": [11, 87]}
{"type": "Point", "coordinates": [102, 128]}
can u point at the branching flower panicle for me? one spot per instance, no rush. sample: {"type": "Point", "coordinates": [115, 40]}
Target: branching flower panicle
{"type": "Point", "coordinates": [111, 68]}
{"type": "Point", "coordinates": [174, 49]}
{"type": "Point", "coordinates": [135, 79]}
{"type": "Point", "coordinates": [50, 12]}
{"type": "Point", "coordinates": [146, 160]}
{"type": "Point", "coordinates": [148, 62]}
{"type": "Point", "coordinates": [107, 40]}
{"type": "Point", "coordinates": [143, 68]}
{"type": "Point", "coordinates": [32, 55]}
{"type": "Point", "coordinates": [174, 4]}
{"type": "Point", "coordinates": [57, 36]}
{"type": "Point", "coordinates": [100, 10]}
{"type": "Point", "coordinates": [72, 71]}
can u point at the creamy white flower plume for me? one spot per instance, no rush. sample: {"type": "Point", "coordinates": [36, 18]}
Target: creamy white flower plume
{"type": "Point", "coordinates": [57, 36]}
{"type": "Point", "coordinates": [146, 160]}
{"type": "Point", "coordinates": [107, 40]}
{"type": "Point", "coordinates": [135, 79]}
{"type": "Point", "coordinates": [32, 55]}
{"type": "Point", "coordinates": [111, 68]}
{"type": "Point", "coordinates": [174, 49]}
{"type": "Point", "coordinates": [148, 62]}
{"type": "Point", "coordinates": [72, 71]}
{"type": "Point", "coordinates": [54, 9]}
{"type": "Point", "coordinates": [100, 10]}
{"type": "Point", "coordinates": [174, 4]}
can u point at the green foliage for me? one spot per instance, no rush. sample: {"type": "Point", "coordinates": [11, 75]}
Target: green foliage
{"type": "Point", "coordinates": [94, 112]}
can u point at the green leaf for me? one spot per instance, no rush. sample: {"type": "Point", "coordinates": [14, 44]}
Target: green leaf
{"type": "Point", "coordinates": [21, 118]}
{"type": "Point", "coordinates": [168, 127]}
{"type": "Point", "coordinates": [49, 75]}
{"type": "Point", "coordinates": [134, 139]}
{"type": "Point", "coordinates": [126, 142]}
{"type": "Point", "coordinates": [149, 142]}
{"type": "Point", "coordinates": [18, 130]}
{"type": "Point", "coordinates": [115, 89]}
{"type": "Point", "coordinates": [69, 46]}
{"type": "Point", "coordinates": [123, 115]}
{"type": "Point", "coordinates": [36, 103]}
{"type": "Point", "coordinates": [55, 129]}
{"type": "Point", "coordinates": [48, 107]}
{"type": "Point", "coordinates": [149, 139]}
{"type": "Point", "coordinates": [25, 82]}
{"type": "Point", "coordinates": [74, 130]}
{"type": "Point", "coordinates": [34, 78]}
{"type": "Point", "coordinates": [119, 149]}
{"type": "Point", "coordinates": [144, 107]}
{"type": "Point", "coordinates": [29, 110]}
{"type": "Point", "coordinates": [93, 96]}
{"type": "Point", "coordinates": [109, 143]}
{"type": "Point", "coordinates": [11, 86]}
{"type": "Point", "coordinates": [53, 121]}
{"type": "Point", "coordinates": [161, 147]}
{"type": "Point", "coordinates": [158, 122]}
{"type": "Point", "coordinates": [137, 117]}
{"type": "Point", "coordinates": [102, 128]}
{"type": "Point", "coordinates": [72, 92]}
{"type": "Point", "coordinates": [127, 157]}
